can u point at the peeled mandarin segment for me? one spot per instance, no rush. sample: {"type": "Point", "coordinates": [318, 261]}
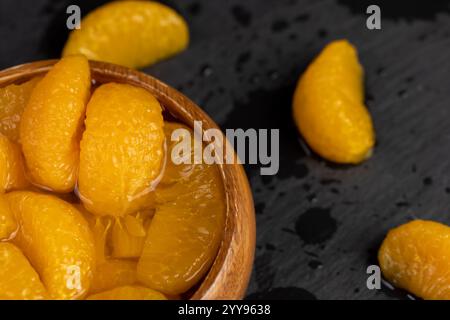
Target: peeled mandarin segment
{"type": "Point", "coordinates": [57, 240]}
{"type": "Point", "coordinates": [100, 227]}
{"type": "Point", "coordinates": [18, 279]}
{"type": "Point", "coordinates": [51, 124]}
{"type": "Point", "coordinates": [134, 225]}
{"type": "Point", "coordinates": [8, 224]}
{"type": "Point", "coordinates": [121, 150]}
{"type": "Point", "coordinates": [12, 174]}
{"type": "Point", "coordinates": [13, 99]}
{"type": "Point", "coordinates": [185, 233]}
{"type": "Point", "coordinates": [176, 167]}
{"type": "Point", "coordinates": [416, 257]}
{"type": "Point", "coordinates": [130, 33]}
{"type": "Point", "coordinates": [124, 244]}
{"type": "Point", "coordinates": [113, 273]}
{"type": "Point", "coordinates": [100, 231]}
{"type": "Point", "coordinates": [328, 106]}
{"type": "Point", "coordinates": [128, 293]}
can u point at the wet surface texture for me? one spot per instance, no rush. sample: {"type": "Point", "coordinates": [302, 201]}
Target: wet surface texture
{"type": "Point", "coordinates": [319, 225]}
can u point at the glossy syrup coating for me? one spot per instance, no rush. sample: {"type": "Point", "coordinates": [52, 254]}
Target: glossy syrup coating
{"type": "Point", "coordinates": [8, 223]}
{"type": "Point", "coordinates": [13, 99]}
{"type": "Point", "coordinates": [186, 230]}
{"type": "Point", "coordinates": [124, 243]}
{"type": "Point", "coordinates": [129, 33]}
{"type": "Point", "coordinates": [12, 167]}
{"type": "Point", "coordinates": [416, 257]}
{"type": "Point", "coordinates": [328, 106]}
{"type": "Point", "coordinates": [18, 279]}
{"type": "Point", "coordinates": [52, 122]}
{"type": "Point", "coordinates": [174, 169]}
{"type": "Point", "coordinates": [113, 273]}
{"type": "Point", "coordinates": [109, 272]}
{"type": "Point", "coordinates": [131, 204]}
{"type": "Point", "coordinates": [128, 293]}
{"type": "Point", "coordinates": [122, 150]}
{"type": "Point", "coordinates": [57, 240]}
{"type": "Point", "coordinates": [100, 227]}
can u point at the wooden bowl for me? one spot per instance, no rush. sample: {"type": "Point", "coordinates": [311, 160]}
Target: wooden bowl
{"type": "Point", "coordinates": [229, 275]}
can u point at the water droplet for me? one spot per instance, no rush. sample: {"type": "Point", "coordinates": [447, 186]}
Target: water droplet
{"type": "Point", "coordinates": [315, 264]}
{"type": "Point", "coordinates": [241, 15]}
{"type": "Point", "coordinates": [322, 33]}
{"type": "Point", "coordinates": [274, 75]}
{"type": "Point", "coordinates": [206, 70]}
{"type": "Point", "coordinates": [402, 204]}
{"type": "Point", "coordinates": [279, 26]}
{"type": "Point", "coordinates": [316, 226]}
{"type": "Point", "coordinates": [427, 181]}
{"type": "Point", "coordinates": [242, 59]}
{"type": "Point", "coordinates": [401, 93]}
{"type": "Point", "coordinates": [302, 17]}
{"type": "Point", "coordinates": [195, 8]}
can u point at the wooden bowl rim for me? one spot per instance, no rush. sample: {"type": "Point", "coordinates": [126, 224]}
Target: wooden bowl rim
{"type": "Point", "coordinates": [229, 275]}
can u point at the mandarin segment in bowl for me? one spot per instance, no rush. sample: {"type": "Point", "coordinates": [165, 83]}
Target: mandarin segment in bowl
{"type": "Point", "coordinates": [186, 231]}
{"type": "Point", "coordinates": [328, 106]}
{"type": "Point", "coordinates": [113, 273]}
{"type": "Point", "coordinates": [124, 244]}
{"type": "Point", "coordinates": [18, 279]}
{"type": "Point", "coordinates": [128, 234]}
{"type": "Point", "coordinates": [172, 171]}
{"type": "Point", "coordinates": [123, 272]}
{"type": "Point", "coordinates": [8, 224]}
{"type": "Point", "coordinates": [12, 167]}
{"type": "Point", "coordinates": [13, 99]}
{"type": "Point", "coordinates": [51, 124]}
{"type": "Point", "coordinates": [128, 293]}
{"type": "Point", "coordinates": [121, 150]}
{"type": "Point", "coordinates": [56, 239]}
{"type": "Point", "coordinates": [100, 227]}
{"type": "Point", "coordinates": [109, 273]}
{"type": "Point", "coordinates": [130, 33]}
{"type": "Point", "coordinates": [416, 257]}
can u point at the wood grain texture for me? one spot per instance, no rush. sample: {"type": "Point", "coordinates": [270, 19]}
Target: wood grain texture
{"type": "Point", "coordinates": [230, 273]}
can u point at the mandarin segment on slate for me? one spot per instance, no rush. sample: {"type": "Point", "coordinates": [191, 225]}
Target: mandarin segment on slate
{"type": "Point", "coordinates": [13, 99]}
{"type": "Point", "coordinates": [121, 150]}
{"type": "Point", "coordinates": [328, 106]}
{"type": "Point", "coordinates": [52, 121]}
{"type": "Point", "coordinates": [128, 293]}
{"type": "Point", "coordinates": [8, 224]}
{"type": "Point", "coordinates": [130, 33]}
{"type": "Point", "coordinates": [18, 279]}
{"type": "Point", "coordinates": [12, 171]}
{"type": "Point", "coordinates": [416, 257]}
{"type": "Point", "coordinates": [185, 232]}
{"type": "Point", "coordinates": [56, 239]}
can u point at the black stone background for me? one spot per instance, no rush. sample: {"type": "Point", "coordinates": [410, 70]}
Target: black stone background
{"type": "Point", "coordinates": [318, 225]}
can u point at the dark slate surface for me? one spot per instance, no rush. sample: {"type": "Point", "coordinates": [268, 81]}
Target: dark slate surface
{"type": "Point", "coordinates": [319, 225]}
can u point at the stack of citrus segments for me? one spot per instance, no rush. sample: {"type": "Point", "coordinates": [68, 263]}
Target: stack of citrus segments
{"type": "Point", "coordinates": [92, 205]}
